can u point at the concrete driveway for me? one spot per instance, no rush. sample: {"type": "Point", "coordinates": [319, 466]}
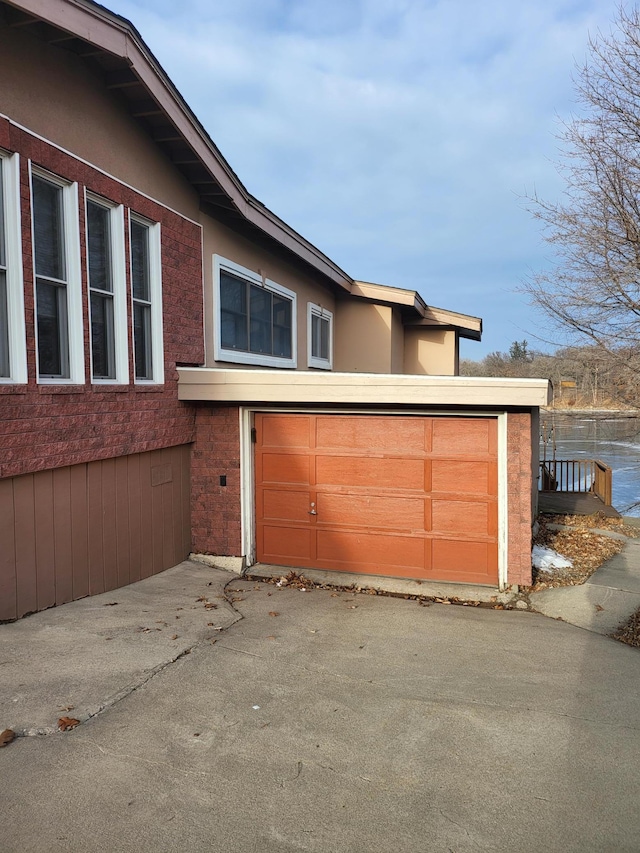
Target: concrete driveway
{"type": "Point", "coordinates": [350, 723]}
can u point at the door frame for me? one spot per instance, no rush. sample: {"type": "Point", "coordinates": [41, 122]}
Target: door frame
{"type": "Point", "coordinates": [247, 469]}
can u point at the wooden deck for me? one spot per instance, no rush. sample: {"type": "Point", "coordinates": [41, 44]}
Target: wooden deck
{"type": "Point", "coordinates": [574, 503]}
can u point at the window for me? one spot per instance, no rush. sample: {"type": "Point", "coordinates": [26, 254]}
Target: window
{"type": "Point", "coordinates": [107, 305]}
{"type": "Point", "coordinates": [319, 337]}
{"type": "Point", "coordinates": [255, 318]}
{"type": "Point", "coordinates": [146, 289]}
{"type": "Point", "coordinates": [57, 279]}
{"type": "Point", "coordinates": [13, 355]}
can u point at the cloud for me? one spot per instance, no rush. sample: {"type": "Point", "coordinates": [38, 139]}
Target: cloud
{"type": "Point", "coordinates": [396, 135]}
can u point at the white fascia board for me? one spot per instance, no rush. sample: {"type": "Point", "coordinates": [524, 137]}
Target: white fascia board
{"type": "Point", "coordinates": [312, 388]}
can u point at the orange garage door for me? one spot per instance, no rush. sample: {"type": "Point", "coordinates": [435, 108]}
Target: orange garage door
{"type": "Point", "coordinates": [413, 497]}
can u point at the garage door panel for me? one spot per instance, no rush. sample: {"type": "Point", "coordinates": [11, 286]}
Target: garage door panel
{"type": "Point", "coordinates": [371, 432]}
{"type": "Point", "coordinates": [465, 478]}
{"type": "Point", "coordinates": [371, 511]}
{"type": "Point", "coordinates": [285, 505]}
{"type": "Point", "coordinates": [452, 557]}
{"type": "Point", "coordinates": [452, 516]}
{"type": "Point", "coordinates": [412, 497]}
{"type": "Point", "coordinates": [285, 468]}
{"type": "Point", "coordinates": [371, 472]}
{"type": "Point", "coordinates": [463, 436]}
{"type": "Point", "coordinates": [379, 550]}
{"type": "Point", "coordinates": [289, 432]}
{"type": "Point", "coordinates": [280, 544]}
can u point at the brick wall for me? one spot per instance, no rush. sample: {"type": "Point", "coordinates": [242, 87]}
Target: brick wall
{"type": "Point", "coordinates": [46, 426]}
{"type": "Point", "coordinates": [519, 497]}
{"type": "Point", "coordinates": [215, 509]}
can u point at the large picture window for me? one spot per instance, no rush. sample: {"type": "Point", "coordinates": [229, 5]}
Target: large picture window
{"type": "Point", "coordinates": [146, 290]}
{"type": "Point", "coordinates": [57, 279]}
{"type": "Point", "coordinates": [255, 319]}
{"type": "Point", "coordinates": [105, 264]}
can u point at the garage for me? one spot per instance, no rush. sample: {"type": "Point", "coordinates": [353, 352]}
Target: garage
{"type": "Point", "coordinates": [396, 495]}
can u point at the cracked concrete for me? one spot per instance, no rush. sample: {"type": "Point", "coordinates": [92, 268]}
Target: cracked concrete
{"type": "Point", "coordinates": [345, 723]}
{"type": "Point", "coordinates": [82, 658]}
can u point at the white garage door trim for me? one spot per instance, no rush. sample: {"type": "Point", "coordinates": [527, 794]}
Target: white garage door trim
{"type": "Point", "coordinates": [247, 491]}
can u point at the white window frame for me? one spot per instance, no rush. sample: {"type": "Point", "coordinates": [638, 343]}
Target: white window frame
{"type": "Point", "coordinates": [155, 287]}
{"type": "Point", "coordinates": [73, 286]}
{"type": "Point", "coordinates": [314, 310]}
{"type": "Point", "coordinates": [221, 264]}
{"type": "Point", "coordinates": [119, 293]}
{"type": "Point", "coordinates": [10, 166]}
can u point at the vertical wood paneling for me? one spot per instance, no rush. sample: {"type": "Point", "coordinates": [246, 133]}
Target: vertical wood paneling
{"type": "Point", "coordinates": [95, 520]}
{"type": "Point", "coordinates": [78, 486]}
{"type": "Point", "coordinates": [123, 573]}
{"type": "Point", "coordinates": [45, 539]}
{"type": "Point", "coordinates": [62, 532]}
{"type": "Point", "coordinates": [185, 506]}
{"type": "Point", "coordinates": [135, 515]}
{"type": "Point", "coordinates": [109, 530]}
{"type": "Point", "coordinates": [25, 541]}
{"type": "Point", "coordinates": [156, 542]}
{"type": "Point", "coordinates": [168, 549]}
{"type": "Point", "coordinates": [8, 587]}
{"type": "Point", "coordinates": [146, 517]}
{"type": "Point", "coordinates": [81, 530]}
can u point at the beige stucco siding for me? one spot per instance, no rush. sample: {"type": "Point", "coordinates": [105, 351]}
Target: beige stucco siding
{"type": "Point", "coordinates": [53, 93]}
{"type": "Point", "coordinates": [430, 351]}
{"type": "Point", "coordinates": [363, 337]}
{"type": "Point", "coordinates": [220, 240]}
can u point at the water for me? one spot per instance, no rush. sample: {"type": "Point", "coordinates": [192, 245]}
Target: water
{"type": "Point", "coordinates": [615, 440]}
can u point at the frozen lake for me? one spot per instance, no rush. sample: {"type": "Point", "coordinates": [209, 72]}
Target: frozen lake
{"type": "Point", "coordinates": [614, 439]}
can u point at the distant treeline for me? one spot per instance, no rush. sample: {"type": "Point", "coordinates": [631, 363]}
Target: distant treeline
{"type": "Point", "coordinates": [581, 376]}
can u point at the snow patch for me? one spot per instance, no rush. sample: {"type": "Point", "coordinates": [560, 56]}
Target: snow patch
{"type": "Point", "coordinates": [546, 559]}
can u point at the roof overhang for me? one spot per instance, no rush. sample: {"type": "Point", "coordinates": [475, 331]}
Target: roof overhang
{"type": "Point", "coordinates": [117, 53]}
{"type": "Point", "coordinates": [415, 310]}
{"type": "Point", "coordinates": [301, 387]}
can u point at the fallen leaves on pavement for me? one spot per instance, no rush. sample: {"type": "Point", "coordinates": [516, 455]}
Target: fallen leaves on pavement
{"type": "Point", "coordinates": [67, 723]}
{"type": "Point", "coordinates": [629, 633]}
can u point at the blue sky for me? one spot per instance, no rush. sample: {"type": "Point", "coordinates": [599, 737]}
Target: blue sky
{"type": "Point", "coordinates": [398, 136]}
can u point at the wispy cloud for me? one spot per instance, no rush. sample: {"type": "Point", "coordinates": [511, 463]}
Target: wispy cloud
{"type": "Point", "coordinates": [394, 134]}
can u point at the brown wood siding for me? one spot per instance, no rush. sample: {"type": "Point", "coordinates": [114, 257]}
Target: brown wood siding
{"type": "Point", "coordinates": [85, 529]}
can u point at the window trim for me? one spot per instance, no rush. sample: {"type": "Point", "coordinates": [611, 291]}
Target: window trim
{"type": "Point", "coordinates": [119, 283]}
{"type": "Point", "coordinates": [10, 166]}
{"type": "Point", "coordinates": [221, 264]}
{"type": "Point", "coordinates": [73, 284]}
{"type": "Point", "coordinates": [155, 288]}
{"type": "Point", "coordinates": [314, 310]}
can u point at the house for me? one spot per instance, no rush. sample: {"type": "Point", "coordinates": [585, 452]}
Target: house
{"type": "Point", "coordinates": [181, 371]}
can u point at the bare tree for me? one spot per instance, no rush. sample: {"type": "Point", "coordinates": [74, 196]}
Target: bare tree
{"type": "Point", "coordinates": [593, 291]}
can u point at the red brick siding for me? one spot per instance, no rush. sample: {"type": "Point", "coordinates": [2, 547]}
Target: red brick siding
{"type": "Point", "coordinates": [215, 509]}
{"type": "Point", "coordinates": [519, 497]}
{"type": "Point", "coordinates": [47, 426]}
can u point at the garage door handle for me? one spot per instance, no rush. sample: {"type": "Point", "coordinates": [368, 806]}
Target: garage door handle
{"type": "Point", "coordinates": [312, 511]}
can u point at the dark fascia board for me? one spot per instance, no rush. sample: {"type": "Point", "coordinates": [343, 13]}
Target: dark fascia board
{"type": "Point", "coordinates": [114, 34]}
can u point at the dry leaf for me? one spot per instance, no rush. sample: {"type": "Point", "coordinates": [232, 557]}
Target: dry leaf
{"type": "Point", "coordinates": [273, 613]}
{"type": "Point", "coordinates": [598, 607]}
{"type": "Point", "coordinates": [67, 723]}
{"type": "Point", "coordinates": [174, 636]}
{"type": "Point", "coordinates": [6, 737]}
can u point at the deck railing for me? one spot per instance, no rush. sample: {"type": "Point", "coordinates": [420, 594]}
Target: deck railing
{"type": "Point", "coordinates": [576, 475]}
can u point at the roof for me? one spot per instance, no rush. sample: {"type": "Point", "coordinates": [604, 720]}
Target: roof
{"type": "Point", "coordinates": [115, 50]}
